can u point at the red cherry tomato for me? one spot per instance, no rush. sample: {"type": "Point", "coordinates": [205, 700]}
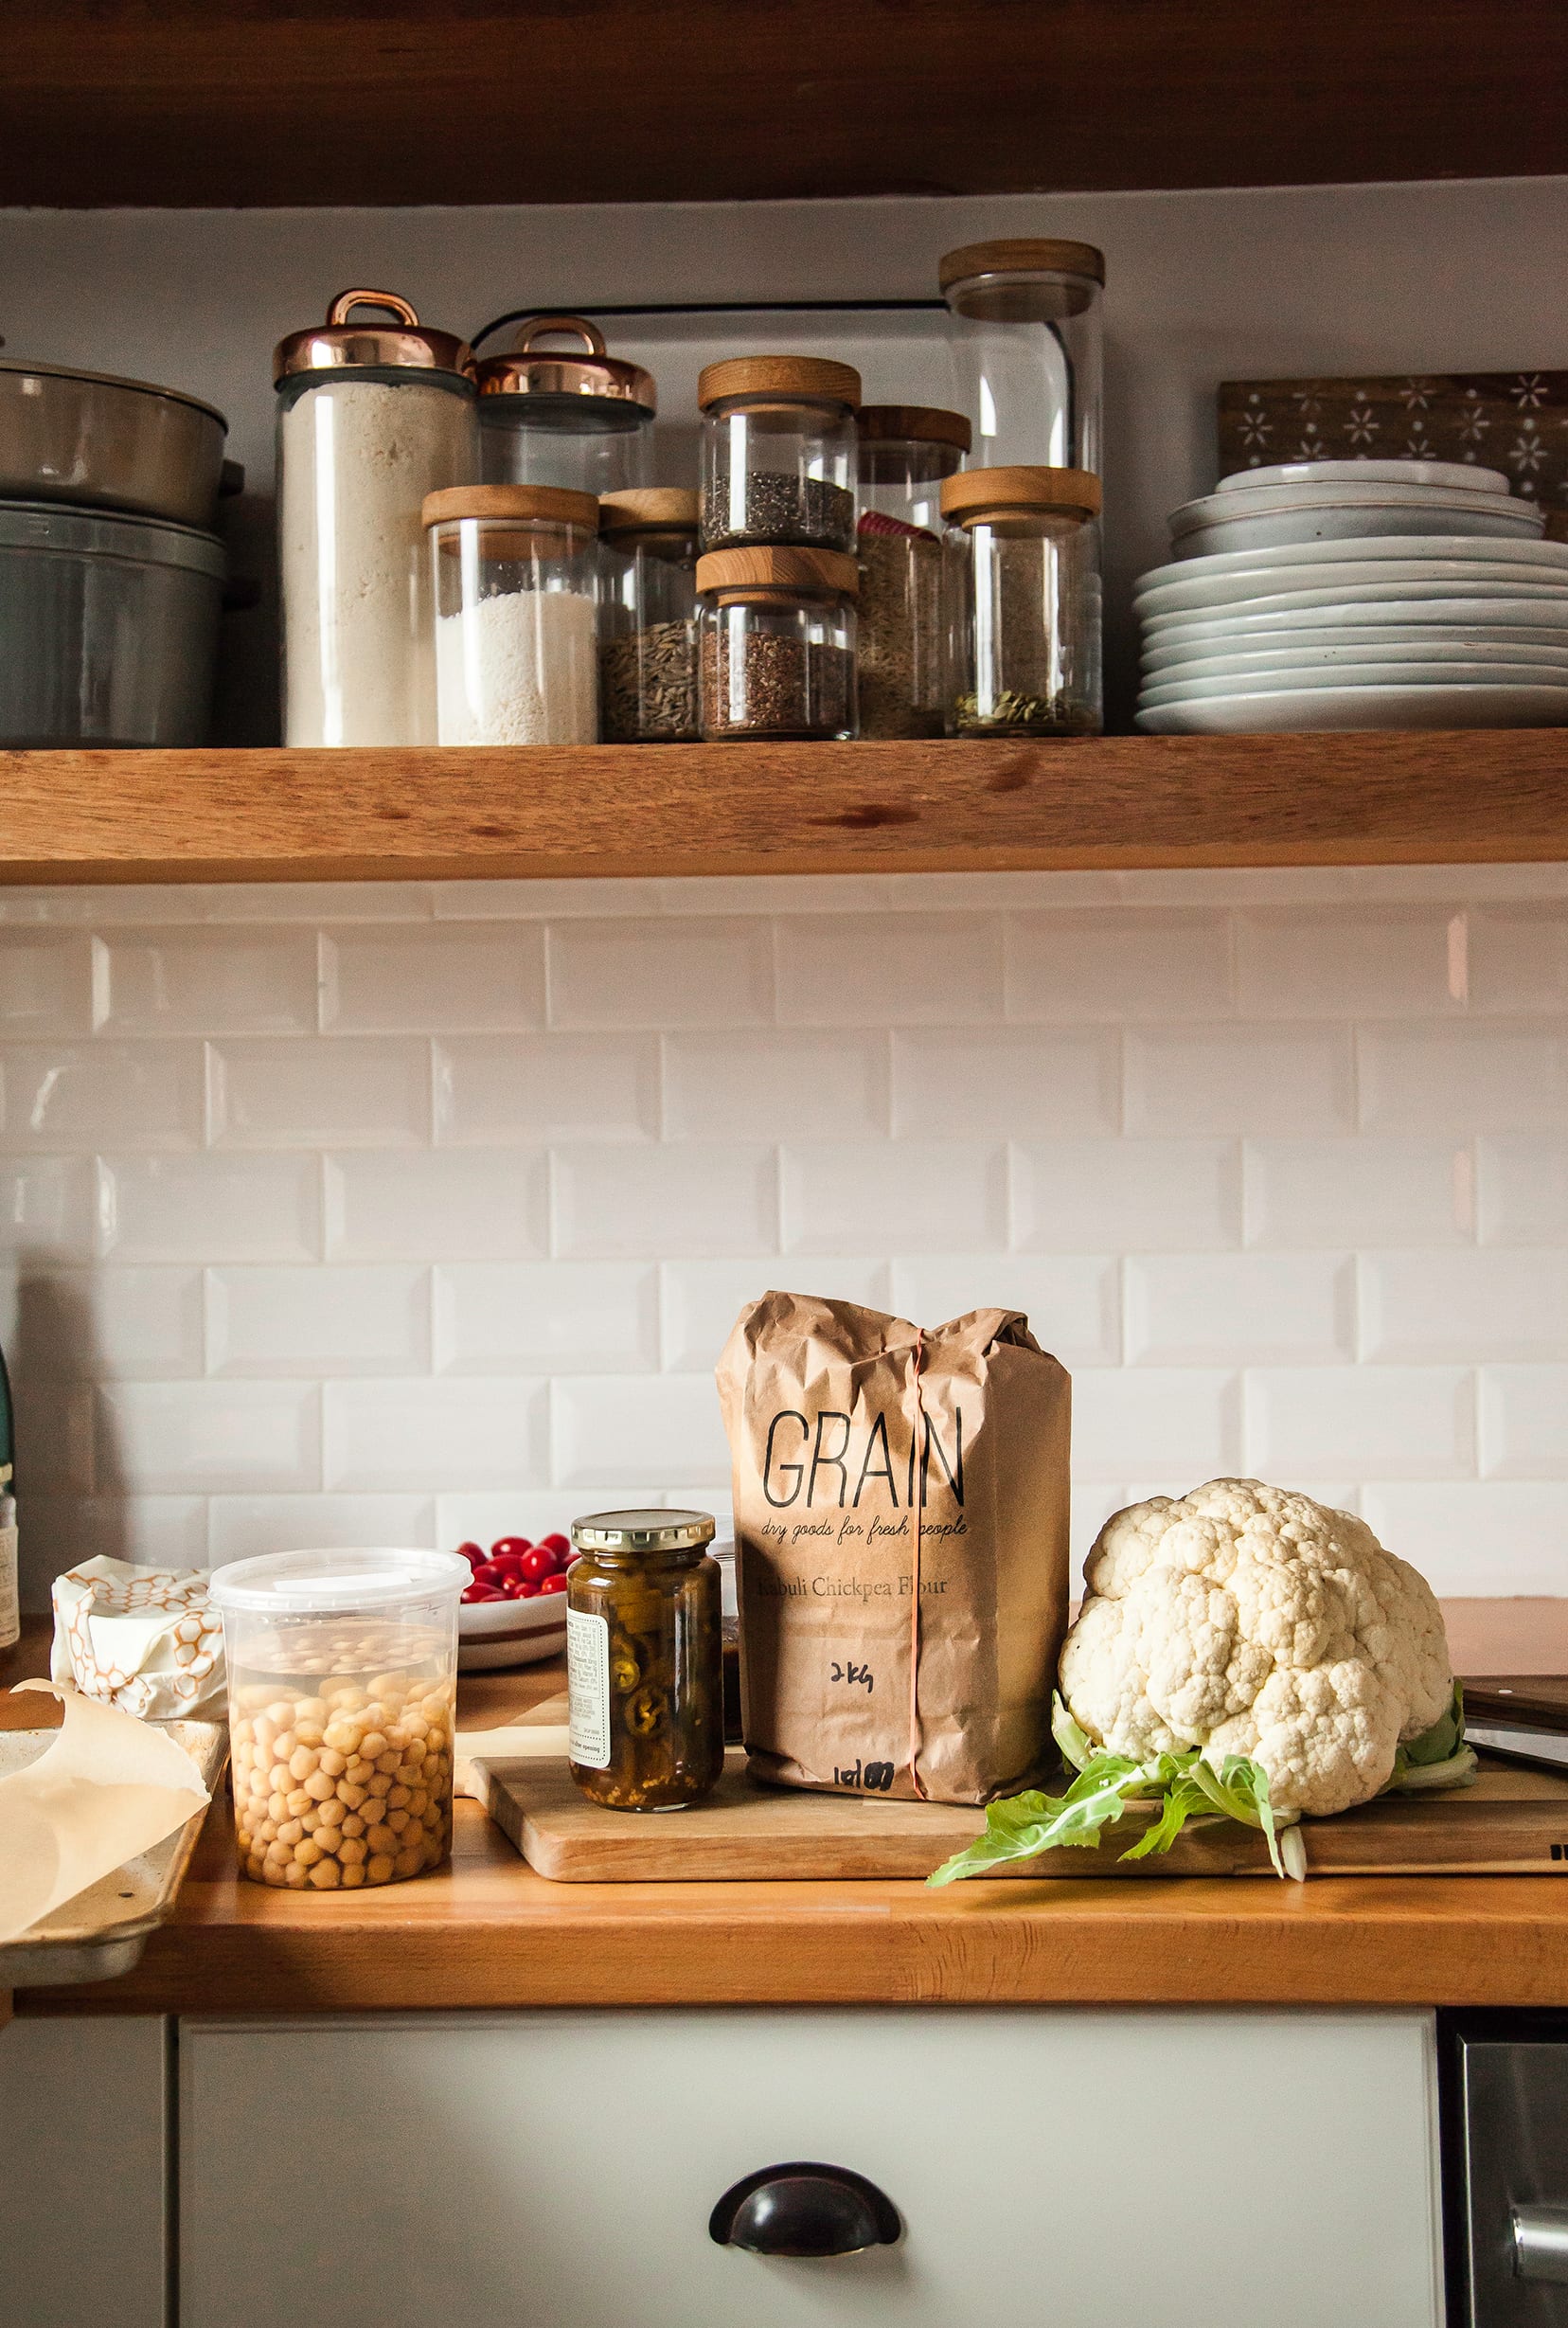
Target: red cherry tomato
{"type": "Point", "coordinates": [512, 1589]}
{"type": "Point", "coordinates": [561, 1546]}
{"type": "Point", "coordinates": [509, 1564]}
{"type": "Point", "coordinates": [510, 1544]}
{"type": "Point", "coordinates": [487, 1573]}
{"type": "Point", "coordinates": [477, 1593]}
{"type": "Point", "coordinates": [473, 1553]}
{"type": "Point", "coordinates": [553, 1584]}
{"type": "Point", "coordinates": [537, 1565]}
{"type": "Point", "coordinates": [527, 1589]}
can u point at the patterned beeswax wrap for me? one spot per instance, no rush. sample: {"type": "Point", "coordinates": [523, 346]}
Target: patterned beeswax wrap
{"type": "Point", "coordinates": [140, 1638]}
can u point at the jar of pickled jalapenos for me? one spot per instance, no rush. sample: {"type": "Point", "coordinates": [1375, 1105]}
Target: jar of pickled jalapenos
{"type": "Point", "coordinates": [644, 1659]}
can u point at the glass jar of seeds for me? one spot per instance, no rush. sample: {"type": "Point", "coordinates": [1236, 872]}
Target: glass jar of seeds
{"type": "Point", "coordinates": [777, 644]}
{"type": "Point", "coordinates": [906, 451]}
{"type": "Point", "coordinates": [342, 1687]}
{"type": "Point", "coordinates": [648, 617]}
{"type": "Point", "coordinates": [1024, 602]}
{"type": "Point", "coordinates": [644, 1660]}
{"type": "Point", "coordinates": [778, 451]}
{"type": "Point", "coordinates": [515, 585]}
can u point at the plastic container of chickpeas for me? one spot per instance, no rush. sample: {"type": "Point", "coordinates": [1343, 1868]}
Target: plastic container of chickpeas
{"type": "Point", "coordinates": [342, 1687]}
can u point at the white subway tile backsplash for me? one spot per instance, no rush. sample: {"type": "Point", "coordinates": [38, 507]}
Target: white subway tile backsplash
{"type": "Point", "coordinates": [1372, 1423]}
{"type": "Point", "coordinates": [1525, 1422]}
{"type": "Point", "coordinates": [541, 901]}
{"type": "Point", "coordinates": [546, 1318]}
{"type": "Point", "coordinates": [649, 1204]}
{"type": "Point", "coordinates": [1519, 956]}
{"type": "Point", "coordinates": [318, 1321]}
{"type": "Point", "coordinates": [55, 1435]}
{"type": "Point", "coordinates": [209, 1437]}
{"type": "Point", "coordinates": [1477, 1076]}
{"type": "Point", "coordinates": [209, 981]}
{"type": "Point", "coordinates": [663, 1431]}
{"type": "Point", "coordinates": [209, 1208]}
{"type": "Point", "coordinates": [84, 1324]}
{"type": "Point", "coordinates": [1202, 1309]}
{"type": "Point", "coordinates": [1072, 1301]}
{"type": "Point", "coordinates": [60, 1531]}
{"type": "Point", "coordinates": [1501, 1536]}
{"type": "Point", "coordinates": [241, 1526]}
{"type": "Point", "coordinates": [436, 1205]}
{"type": "Point", "coordinates": [435, 1435]}
{"type": "Point", "coordinates": [363, 1091]}
{"type": "Point", "coordinates": [1186, 1079]}
{"type": "Point", "coordinates": [700, 1300]}
{"type": "Point", "coordinates": [934, 1196]}
{"type": "Point", "coordinates": [1313, 1192]}
{"type": "Point", "coordinates": [678, 972]}
{"type": "Point", "coordinates": [47, 986]}
{"type": "Point", "coordinates": [417, 980]}
{"type": "Point", "coordinates": [908, 970]}
{"type": "Point", "coordinates": [1521, 1182]}
{"type": "Point", "coordinates": [1118, 962]}
{"type": "Point", "coordinates": [769, 1083]}
{"type": "Point", "coordinates": [1493, 1303]}
{"type": "Point", "coordinates": [47, 1206]}
{"type": "Point", "coordinates": [1346, 961]}
{"type": "Point", "coordinates": [497, 1090]}
{"type": "Point", "coordinates": [1183, 1423]}
{"type": "Point", "coordinates": [103, 1094]}
{"type": "Point", "coordinates": [1126, 1195]}
{"type": "Point", "coordinates": [1018, 1083]}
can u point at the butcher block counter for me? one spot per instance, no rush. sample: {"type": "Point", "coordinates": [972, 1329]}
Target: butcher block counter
{"type": "Point", "coordinates": [490, 1933]}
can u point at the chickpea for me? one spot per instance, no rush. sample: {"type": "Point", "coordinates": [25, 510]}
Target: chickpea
{"type": "Point", "coordinates": [352, 1824]}
{"type": "Point", "coordinates": [408, 1862]}
{"type": "Point", "coordinates": [307, 1852]}
{"type": "Point", "coordinates": [294, 1875]}
{"type": "Point", "coordinates": [351, 1794]}
{"type": "Point", "coordinates": [381, 1838]}
{"type": "Point", "coordinates": [271, 1874]}
{"type": "Point", "coordinates": [352, 1852]}
{"type": "Point", "coordinates": [303, 1763]}
{"type": "Point", "coordinates": [319, 1786]}
{"type": "Point", "coordinates": [352, 1878]}
{"type": "Point", "coordinates": [398, 1797]}
{"type": "Point", "coordinates": [378, 1869]}
{"type": "Point", "coordinates": [298, 1802]}
{"type": "Point", "coordinates": [291, 1830]}
{"type": "Point", "coordinates": [379, 1786]}
{"type": "Point", "coordinates": [284, 1745]}
{"type": "Point", "coordinates": [332, 1762]}
{"type": "Point", "coordinates": [278, 1806]}
{"type": "Point", "coordinates": [332, 1814]}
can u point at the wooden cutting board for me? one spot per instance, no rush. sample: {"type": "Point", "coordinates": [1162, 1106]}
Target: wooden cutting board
{"type": "Point", "coordinates": [1511, 1822]}
{"type": "Point", "coordinates": [1530, 1701]}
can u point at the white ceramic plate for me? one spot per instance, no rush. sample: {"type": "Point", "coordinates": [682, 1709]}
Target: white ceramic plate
{"type": "Point", "coordinates": [1327, 652]}
{"type": "Point", "coordinates": [1424, 549]}
{"type": "Point", "coordinates": [1322, 586]}
{"type": "Point", "coordinates": [491, 1633]}
{"type": "Point", "coordinates": [1481, 620]}
{"type": "Point", "coordinates": [1304, 709]}
{"type": "Point", "coordinates": [1197, 685]}
{"type": "Point", "coordinates": [1449, 476]}
{"type": "Point", "coordinates": [1293, 516]}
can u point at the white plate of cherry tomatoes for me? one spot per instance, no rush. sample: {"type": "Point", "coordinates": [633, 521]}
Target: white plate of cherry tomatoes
{"type": "Point", "coordinates": [514, 1612]}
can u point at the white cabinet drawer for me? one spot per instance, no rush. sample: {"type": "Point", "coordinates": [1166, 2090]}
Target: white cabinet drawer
{"type": "Point", "coordinates": [557, 2169]}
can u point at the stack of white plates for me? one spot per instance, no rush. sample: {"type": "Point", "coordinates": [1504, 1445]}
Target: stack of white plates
{"type": "Point", "coordinates": [1462, 626]}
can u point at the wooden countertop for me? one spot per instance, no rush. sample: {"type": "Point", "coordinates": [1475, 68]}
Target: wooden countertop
{"type": "Point", "coordinates": [490, 1933]}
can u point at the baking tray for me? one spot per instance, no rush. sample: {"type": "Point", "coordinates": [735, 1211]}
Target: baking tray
{"type": "Point", "coordinates": [101, 1933]}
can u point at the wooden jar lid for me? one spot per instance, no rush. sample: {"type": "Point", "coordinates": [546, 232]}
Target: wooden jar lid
{"type": "Point", "coordinates": [978, 494]}
{"type": "Point", "coordinates": [554, 505]}
{"type": "Point", "coordinates": [917, 423]}
{"type": "Point", "coordinates": [648, 509]}
{"type": "Point", "coordinates": [821, 573]}
{"type": "Point", "coordinates": [1025, 254]}
{"type": "Point", "coordinates": [817, 377]}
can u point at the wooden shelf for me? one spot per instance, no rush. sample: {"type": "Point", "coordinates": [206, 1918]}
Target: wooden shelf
{"type": "Point", "coordinates": [268, 102]}
{"type": "Point", "coordinates": [866, 808]}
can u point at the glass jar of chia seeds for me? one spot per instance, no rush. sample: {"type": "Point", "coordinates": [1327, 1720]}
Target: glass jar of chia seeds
{"type": "Point", "coordinates": [1024, 602]}
{"type": "Point", "coordinates": [778, 451]}
{"type": "Point", "coordinates": [644, 1659]}
{"type": "Point", "coordinates": [777, 644]}
{"type": "Point", "coordinates": [648, 616]}
{"type": "Point", "coordinates": [1025, 337]}
{"type": "Point", "coordinates": [906, 451]}
{"type": "Point", "coordinates": [576, 417]}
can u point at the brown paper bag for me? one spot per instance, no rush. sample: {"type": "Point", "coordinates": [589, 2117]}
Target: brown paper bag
{"type": "Point", "coordinates": [900, 1532]}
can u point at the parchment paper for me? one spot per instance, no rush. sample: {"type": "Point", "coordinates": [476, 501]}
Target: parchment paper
{"type": "Point", "coordinates": [104, 1789]}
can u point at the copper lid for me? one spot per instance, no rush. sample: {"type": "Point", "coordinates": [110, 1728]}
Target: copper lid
{"type": "Point", "coordinates": [817, 377]}
{"type": "Point", "coordinates": [341, 345]}
{"type": "Point", "coordinates": [550, 504]}
{"type": "Point", "coordinates": [530, 370]}
{"type": "Point", "coordinates": [979, 493]}
{"type": "Point", "coordinates": [648, 509]}
{"type": "Point", "coordinates": [820, 573]}
{"type": "Point", "coordinates": [913, 424]}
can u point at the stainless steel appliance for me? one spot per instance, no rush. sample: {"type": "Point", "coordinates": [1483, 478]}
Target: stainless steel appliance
{"type": "Point", "coordinates": [1507, 2158]}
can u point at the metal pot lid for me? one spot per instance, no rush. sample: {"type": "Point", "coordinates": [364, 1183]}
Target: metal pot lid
{"type": "Point", "coordinates": [529, 370]}
{"type": "Point", "coordinates": [106, 533]}
{"type": "Point", "coordinates": [112, 379]}
{"type": "Point", "coordinates": [403, 344]}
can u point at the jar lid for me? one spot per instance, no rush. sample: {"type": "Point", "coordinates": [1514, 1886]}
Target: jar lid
{"type": "Point", "coordinates": [816, 573]}
{"type": "Point", "coordinates": [336, 1582]}
{"type": "Point", "coordinates": [341, 345]}
{"type": "Point", "coordinates": [1020, 254]}
{"type": "Point", "coordinates": [110, 380]}
{"type": "Point", "coordinates": [976, 493]}
{"type": "Point", "coordinates": [806, 376]}
{"type": "Point", "coordinates": [648, 509]}
{"type": "Point", "coordinates": [643, 1532]}
{"type": "Point", "coordinates": [531, 370]}
{"type": "Point", "coordinates": [553, 505]}
{"type": "Point", "coordinates": [913, 424]}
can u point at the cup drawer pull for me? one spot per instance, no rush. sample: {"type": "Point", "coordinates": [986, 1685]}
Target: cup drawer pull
{"type": "Point", "coordinates": [805, 2208]}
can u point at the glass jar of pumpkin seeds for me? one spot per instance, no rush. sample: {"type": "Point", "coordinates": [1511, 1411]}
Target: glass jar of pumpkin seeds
{"type": "Point", "coordinates": [644, 1659]}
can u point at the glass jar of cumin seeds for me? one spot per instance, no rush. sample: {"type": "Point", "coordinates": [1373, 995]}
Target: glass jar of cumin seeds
{"type": "Point", "coordinates": [1024, 584]}
{"type": "Point", "coordinates": [778, 451]}
{"type": "Point", "coordinates": [906, 451]}
{"type": "Point", "coordinates": [777, 644]}
{"type": "Point", "coordinates": [648, 616]}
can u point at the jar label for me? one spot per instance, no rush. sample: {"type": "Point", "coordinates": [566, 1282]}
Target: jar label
{"type": "Point", "coordinates": [588, 1688]}
{"type": "Point", "coordinates": [10, 1620]}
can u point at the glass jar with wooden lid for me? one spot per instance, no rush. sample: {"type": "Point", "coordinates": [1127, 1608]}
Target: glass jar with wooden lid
{"type": "Point", "coordinates": [515, 586]}
{"type": "Point", "coordinates": [777, 644]}
{"type": "Point", "coordinates": [1023, 600]}
{"type": "Point", "coordinates": [778, 451]}
{"type": "Point", "coordinates": [906, 451]}
{"type": "Point", "coordinates": [1025, 335]}
{"type": "Point", "coordinates": [648, 616]}
{"type": "Point", "coordinates": [644, 1657]}
{"type": "Point", "coordinates": [578, 417]}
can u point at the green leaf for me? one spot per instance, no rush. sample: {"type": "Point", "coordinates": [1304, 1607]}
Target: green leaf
{"type": "Point", "coordinates": [1024, 1825]}
{"type": "Point", "coordinates": [1184, 1800]}
{"type": "Point", "coordinates": [1078, 1747]}
{"type": "Point", "coordinates": [1443, 1740]}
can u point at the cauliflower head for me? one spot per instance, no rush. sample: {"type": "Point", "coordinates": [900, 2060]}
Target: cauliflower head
{"type": "Point", "coordinates": [1247, 1620]}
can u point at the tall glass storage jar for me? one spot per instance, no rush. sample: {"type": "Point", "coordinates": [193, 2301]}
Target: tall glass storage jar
{"type": "Point", "coordinates": [645, 1659]}
{"type": "Point", "coordinates": [777, 644]}
{"type": "Point", "coordinates": [906, 451]}
{"type": "Point", "coordinates": [580, 418]}
{"type": "Point", "coordinates": [1023, 573]}
{"type": "Point", "coordinates": [648, 616]}
{"type": "Point", "coordinates": [1026, 339]}
{"type": "Point", "coordinates": [778, 451]}
{"type": "Point", "coordinates": [514, 583]}
{"type": "Point", "coordinates": [371, 416]}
